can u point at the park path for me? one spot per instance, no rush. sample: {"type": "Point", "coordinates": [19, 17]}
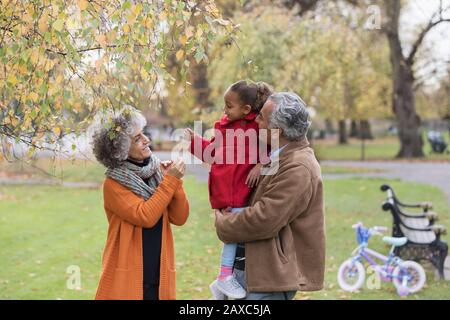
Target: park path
{"type": "Point", "coordinates": [432, 173]}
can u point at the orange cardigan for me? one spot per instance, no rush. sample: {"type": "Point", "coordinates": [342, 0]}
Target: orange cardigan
{"type": "Point", "coordinates": [127, 213]}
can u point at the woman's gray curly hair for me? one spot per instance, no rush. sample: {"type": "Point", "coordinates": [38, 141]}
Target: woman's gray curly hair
{"type": "Point", "coordinates": [112, 135]}
{"type": "Point", "coordinates": [290, 114]}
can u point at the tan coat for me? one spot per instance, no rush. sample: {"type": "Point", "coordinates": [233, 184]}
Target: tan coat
{"type": "Point", "coordinates": [284, 227]}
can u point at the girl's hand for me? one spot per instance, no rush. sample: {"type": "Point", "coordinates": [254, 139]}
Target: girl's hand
{"type": "Point", "coordinates": [177, 169]}
{"type": "Point", "coordinates": [188, 134]}
{"type": "Point", "coordinates": [253, 176]}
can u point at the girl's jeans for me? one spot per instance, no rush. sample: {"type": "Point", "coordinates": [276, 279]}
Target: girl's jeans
{"type": "Point", "coordinates": [229, 249]}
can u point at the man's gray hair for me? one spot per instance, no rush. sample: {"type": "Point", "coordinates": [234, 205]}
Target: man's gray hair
{"type": "Point", "coordinates": [112, 136]}
{"type": "Point", "coordinates": [290, 114]}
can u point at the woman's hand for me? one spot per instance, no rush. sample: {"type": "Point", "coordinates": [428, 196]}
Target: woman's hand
{"type": "Point", "coordinates": [253, 176]}
{"type": "Point", "coordinates": [165, 166]}
{"type": "Point", "coordinates": [177, 169]}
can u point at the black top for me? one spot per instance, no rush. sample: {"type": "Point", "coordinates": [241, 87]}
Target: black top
{"type": "Point", "coordinates": [239, 260]}
{"type": "Point", "coordinates": [151, 244]}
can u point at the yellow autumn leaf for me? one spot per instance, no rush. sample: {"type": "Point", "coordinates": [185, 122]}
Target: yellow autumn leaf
{"type": "Point", "coordinates": [22, 69]}
{"type": "Point", "coordinates": [137, 9]}
{"type": "Point", "coordinates": [57, 131]}
{"type": "Point", "coordinates": [33, 96]}
{"type": "Point", "coordinates": [99, 77]}
{"type": "Point", "coordinates": [131, 17]}
{"type": "Point", "coordinates": [144, 74]}
{"type": "Point", "coordinates": [135, 66]}
{"type": "Point", "coordinates": [72, 23]}
{"type": "Point", "coordinates": [82, 4]}
{"type": "Point", "coordinates": [189, 32]}
{"type": "Point", "coordinates": [163, 15]}
{"type": "Point", "coordinates": [98, 64]}
{"type": "Point", "coordinates": [212, 8]}
{"type": "Point", "coordinates": [112, 35]}
{"type": "Point", "coordinates": [26, 123]}
{"type": "Point", "coordinates": [183, 39]}
{"type": "Point", "coordinates": [59, 78]}
{"type": "Point", "coordinates": [58, 25]}
{"type": "Point", "coordinates": [101, 38]}
{"type": "Point", "coordinates": [34, 55]}
{"type": "Point", "coordinates": [57, 104]}
{"type": "Point", "coordinates": [12, 79]}
{"type": "Point", "coordinates": [126, 28]}
{"type": "Point", "coordinates": [52, 89]}
{"type": "Point", "coordinates": [179, 55]}
{"type": "Point", "coordinates": [43, 23]}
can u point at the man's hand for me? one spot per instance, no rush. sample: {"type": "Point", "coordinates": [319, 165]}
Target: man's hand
{"type": "Point", "coordinates": [253, 176]}
{"type": "Point", "coordinates": [223, 212]}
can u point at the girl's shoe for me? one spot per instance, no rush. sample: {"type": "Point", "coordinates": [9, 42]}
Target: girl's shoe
{"type": "Point", "coordinates": [231, 288]}
{"type": "Point", "coordinates": [216, 293]}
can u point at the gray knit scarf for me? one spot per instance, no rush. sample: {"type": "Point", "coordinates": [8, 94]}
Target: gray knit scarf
{"type": "Point", "coordinates": [131, 176]}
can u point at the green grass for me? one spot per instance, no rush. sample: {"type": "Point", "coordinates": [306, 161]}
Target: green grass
{"type": "Point", "coordinates": [59, 169]}
{"type": "Point", "coordinates": [326, 169]}
{"type": "Point", "coordinates": [377, 149]}
{"type": "Point", "coordinates": [44, 230]}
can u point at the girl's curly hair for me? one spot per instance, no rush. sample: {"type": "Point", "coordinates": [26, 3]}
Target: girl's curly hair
{"type": "Point", "coordinates": [255, 94]}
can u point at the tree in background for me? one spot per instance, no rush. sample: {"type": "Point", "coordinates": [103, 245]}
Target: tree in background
{"type": "Point", "coordinates": [57, 57]}
{"type": "Point", "coordinates": [186, 100]}
{"type": "Point", "coordinates": [434, 102]}
{"type": "Point", "coordinates": [404, 76]}
{"type": "Point", "coordinates": [324, 60]}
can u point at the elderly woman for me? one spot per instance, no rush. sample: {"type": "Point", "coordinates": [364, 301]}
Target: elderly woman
{"type": "Point", "coordinates": [142, 197]}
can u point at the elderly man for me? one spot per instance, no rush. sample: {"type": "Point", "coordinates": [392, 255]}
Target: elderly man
{"type": "Point", "coordinates": [283, 228]}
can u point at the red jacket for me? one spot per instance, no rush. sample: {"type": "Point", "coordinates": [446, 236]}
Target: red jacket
{"type": "Point", "coordinates": [226, 181]}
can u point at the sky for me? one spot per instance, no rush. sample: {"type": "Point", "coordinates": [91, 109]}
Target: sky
{"type": "Point", "coordinates": [415, 16]}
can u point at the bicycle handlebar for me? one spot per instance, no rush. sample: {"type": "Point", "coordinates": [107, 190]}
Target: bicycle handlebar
{"type": "Point", "coordinates": [378, 230]}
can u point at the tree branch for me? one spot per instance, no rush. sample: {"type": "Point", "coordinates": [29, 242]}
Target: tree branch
{"type": "Point", "coordinates": [431, 25]}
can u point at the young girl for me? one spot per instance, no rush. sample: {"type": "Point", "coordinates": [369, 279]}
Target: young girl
{"type": "Point", "coordinates": [231, 182]}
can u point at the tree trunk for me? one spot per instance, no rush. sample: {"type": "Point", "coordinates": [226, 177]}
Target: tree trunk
{"type": "Point", "coordinates": [365, 131]}
{"type": "Point", "coordinates": [343, 139]}
{"type": "Point", "coordinates": [354, 132]}
{"type": "Point", "coordinates": [200, 85]}
{"type": "Point", "coordinates": [329, 126]}
{"type": "Point", "coordinates": [448, 125]}
{"type": "Point", "coordinates": [408, 121]}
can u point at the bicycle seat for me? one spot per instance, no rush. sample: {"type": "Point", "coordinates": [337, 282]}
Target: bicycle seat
{"type": "Point", "coordinates": [396, 242]}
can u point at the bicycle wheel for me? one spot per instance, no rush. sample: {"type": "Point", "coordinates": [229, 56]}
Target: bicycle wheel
{"type": "Point", "coordinates": [414, 273]}
{"type": "Point", "coordinates": [351, 275]}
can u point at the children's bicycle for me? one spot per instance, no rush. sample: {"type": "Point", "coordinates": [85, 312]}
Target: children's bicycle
{"type": "Point", "coordinates": [407, 276]}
